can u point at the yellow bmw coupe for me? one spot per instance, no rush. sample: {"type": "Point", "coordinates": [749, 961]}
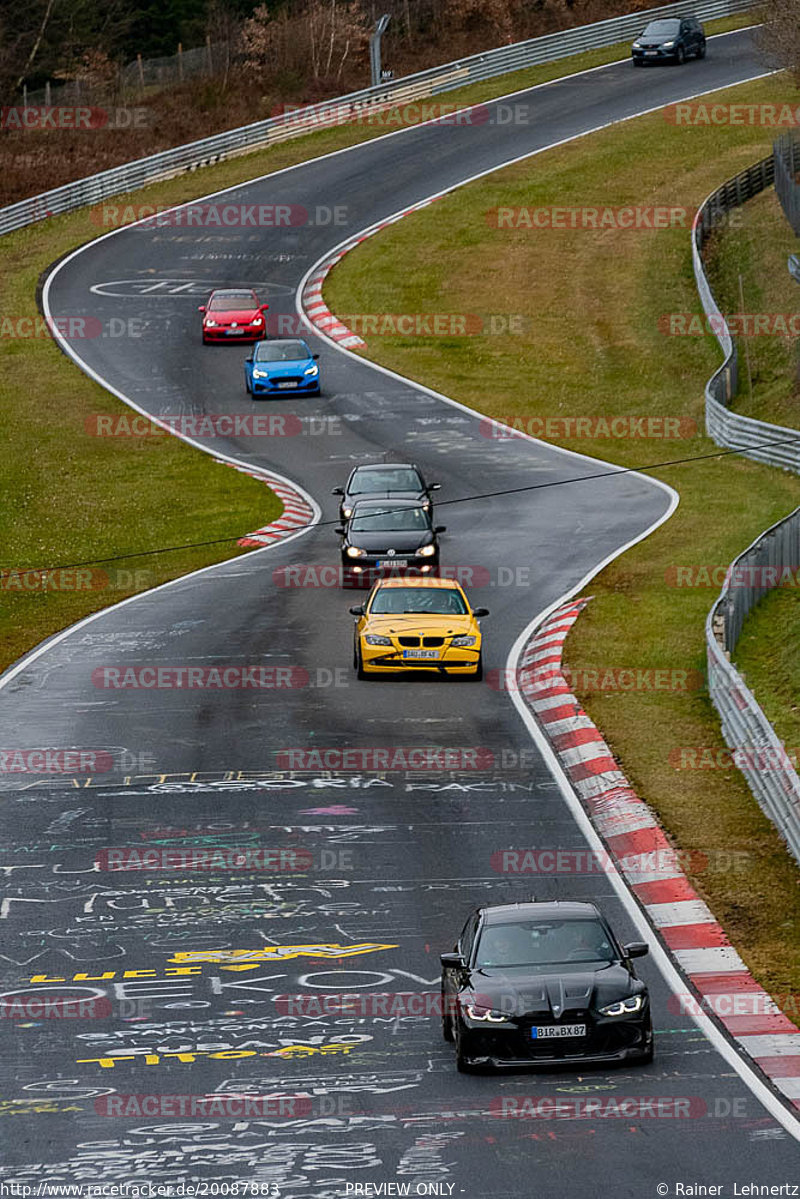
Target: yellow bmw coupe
{"type": "Point", "coordinates": [411, 624]}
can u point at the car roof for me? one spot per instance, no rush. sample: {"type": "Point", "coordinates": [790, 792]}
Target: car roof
{"type": "Point", "coordinates": [387, 466]}
{"type": "Point", "coordinates": [509, 913]}
{"type": "Point", "coordinates": [283, 341]}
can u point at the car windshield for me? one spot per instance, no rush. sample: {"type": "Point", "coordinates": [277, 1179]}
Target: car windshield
{"type": "Point", "coordinates": [544, 943]}
{"type": "Point", "coordinates": [389, 520]}
{"type": "Point", "coordinates": [232, 299]}
{"type": "Point", "coordinates": [402, 479]}
{"type": "Point", "coordinates": [662, 29]}
{"type": "Point", "coordinates": [281, 351]}
{"type": "Point", "coordinates": [437, 601]}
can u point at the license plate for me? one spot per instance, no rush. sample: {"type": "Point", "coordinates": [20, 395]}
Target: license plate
{"type": "Point", "coordinates": [286, 385]}
{"type": "Point", "coordinates": [651, 53]}
{"type": "Point", "coordinates": [388, 562]}
{"type": "Point", "coordinates": [234, 332]}
{"type": "Point", "coordinates": [553, 1032]}
{"type": "Point", "coordinates": [420, 653]}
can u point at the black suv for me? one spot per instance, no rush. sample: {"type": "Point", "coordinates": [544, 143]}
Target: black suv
{"type": "Point", "coordinates": [669, 40]}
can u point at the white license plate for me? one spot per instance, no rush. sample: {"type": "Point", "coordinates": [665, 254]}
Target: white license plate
{"type": "Point", "coordinates": [287, 385]}
{"type": "Point", "coordinates": [387, 562]}
{"type": "Point", "coordinates": [651, 53]}
{"type": "Point", "coordinates": [554, 1032]}
{"type": "Point", "coordinates": [234, 332]}
{"type": "Point", "coordinates": [420, 653]}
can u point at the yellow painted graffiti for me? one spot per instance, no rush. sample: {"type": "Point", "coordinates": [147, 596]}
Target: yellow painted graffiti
{"type": "Point", "coordinates": [281, 953]}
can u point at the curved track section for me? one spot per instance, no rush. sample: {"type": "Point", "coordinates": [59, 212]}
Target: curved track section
{"type": "Point", "coordinates": [393, 860]}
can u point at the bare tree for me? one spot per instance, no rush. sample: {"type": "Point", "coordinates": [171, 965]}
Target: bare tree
{"type": "Point", "coordinates": [781, 33]}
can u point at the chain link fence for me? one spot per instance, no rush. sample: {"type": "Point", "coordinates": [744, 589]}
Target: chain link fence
{"type": "Point", "coordinates": [410, 88]}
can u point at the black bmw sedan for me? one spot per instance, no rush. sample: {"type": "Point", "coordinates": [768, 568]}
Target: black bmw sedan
{"type": "Point", "coordinates": [544, 984]}
{"type": "Point", "coordinates": [389, 536]}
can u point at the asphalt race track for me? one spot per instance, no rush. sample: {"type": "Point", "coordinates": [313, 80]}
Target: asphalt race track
{"type": "Point", "coordinates": [396, 860]}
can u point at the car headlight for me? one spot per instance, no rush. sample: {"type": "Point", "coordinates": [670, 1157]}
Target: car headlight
{"type": "Point", "coordinates": [623, 1007]}
{"type": "Point", "coordinates": [426, 551]}
{"type": "Point", "coordinates": [377, 639]}
{"type": "Point", "coordinates": [466, 640]}
{"type": "Point", "coordinates": [636, 46]}
{"type": "Point", "coordinates": [257, 320]}
{"type": "Point", "coordinates": [347, 512]}
{"type": "Point", "coordinates": [311, 370]}
{"type": "Point", "coordinates": [209, 323]}
{"type": "Point", "coordinates": [354, 552]}
{"type": "Point", "coordinates": [485, 1015]}
{"type": "Point", "coordinates": [667, 45]}
{"type": "Point", "coordinates": [257, 374]}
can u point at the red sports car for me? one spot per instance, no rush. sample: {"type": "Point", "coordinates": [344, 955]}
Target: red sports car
{"type": "Point", "coordinates": [233, 312]}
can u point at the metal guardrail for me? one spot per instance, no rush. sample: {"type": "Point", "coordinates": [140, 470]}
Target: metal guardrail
{"type": "Point", "coordinates": [774, 445]}
{"type": "Point", "coordinates": [344, 109]}
{"type": "Point", "coordinates": [786, 152]}
{"type": "Point", "coordinates": [758, 753]}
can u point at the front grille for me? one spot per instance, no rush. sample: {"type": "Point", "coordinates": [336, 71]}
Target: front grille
{"type": "Point", "coordinates": [430, 642]}
{"type": "Point", "coordinates": [288, 379]}
{"type": "Point", "coordinates": [410, 642]}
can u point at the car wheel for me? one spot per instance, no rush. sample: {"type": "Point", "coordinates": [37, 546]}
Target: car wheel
{"type": "Point", "coordinates": [638, 62]}
{"type": "Point", "coordinates": [479, 672]}
{"type": "Point", "coordinates": [463, 1064]}
{"type": "Point", "coordinates": [646, 1058]}
{"type": "Point", "coordinates": [680, 56]}
{"type": "Point", "coordinates": [360, 671]}
{"type": "Point", "coordinates": [701, 53]}
{"type": "Point", "coordinates": [447, 1027]}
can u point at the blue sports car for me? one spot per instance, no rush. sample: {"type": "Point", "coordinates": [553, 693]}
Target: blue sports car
{"type": "Point", "coordinates": [281, 366]}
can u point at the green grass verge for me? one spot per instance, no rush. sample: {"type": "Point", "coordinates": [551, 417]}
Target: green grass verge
{"type": "Point", "coordinates": [593, 347]}
{"type": "Point", "coordinates": [73, 498]}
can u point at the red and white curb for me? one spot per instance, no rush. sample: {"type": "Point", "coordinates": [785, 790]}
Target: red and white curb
{"type": "Point", "coordinates": [311, 301]}
{"type": "Point", "coordinates": [649, 863]}
{"type": "Point", "coordinates": [297, 512]}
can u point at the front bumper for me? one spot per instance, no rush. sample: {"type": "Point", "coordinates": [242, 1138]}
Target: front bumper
{"type": "Point", "coordinates": [374, 567]}
{"type": "Point", "coordinates": [384, 659]}
{"type": "Point", "coordinates": [657, 55]}
{"type": "Point", "coordinates": [269, 387]}
{"type": "Point", "coordinates": [243, 333]}
{"type": "Point", "coordinates": [608, 1040]}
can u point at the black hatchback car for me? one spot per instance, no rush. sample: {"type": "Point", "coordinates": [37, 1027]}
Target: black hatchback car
{"type": "Point", "coordinates": [389, 536]}
{"type": "Point", "coordinates": [544, 984]}
{"type": "Point", "coordinates": [669, 40]}
{"type": "Point", "coordinates": [403, 480]}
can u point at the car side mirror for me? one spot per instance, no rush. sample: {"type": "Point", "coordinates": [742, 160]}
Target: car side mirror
{"type": "Point", "coordinates": [339, 530]}
{"type": "Point", "coordinates": [315, 357]}
{"type": "Point", "coordinates": [440, 529]}
{"type": "Point", "coordinates": [264, 308]}
{"type": "Point", "coordinates": [249, 358]}
{"type": "Point", "coordinates": [452, 961]}
{"type": "Point", "coordinates": [636, 949]}
{"type": "Point", "coordinates": [202, 308]}
{"type": "Point", "coordinates": [338, 491]}
{"type": "Point", "coordinates": [359, 611]}
{"type": "Point", "coordinates": [480, 611]}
